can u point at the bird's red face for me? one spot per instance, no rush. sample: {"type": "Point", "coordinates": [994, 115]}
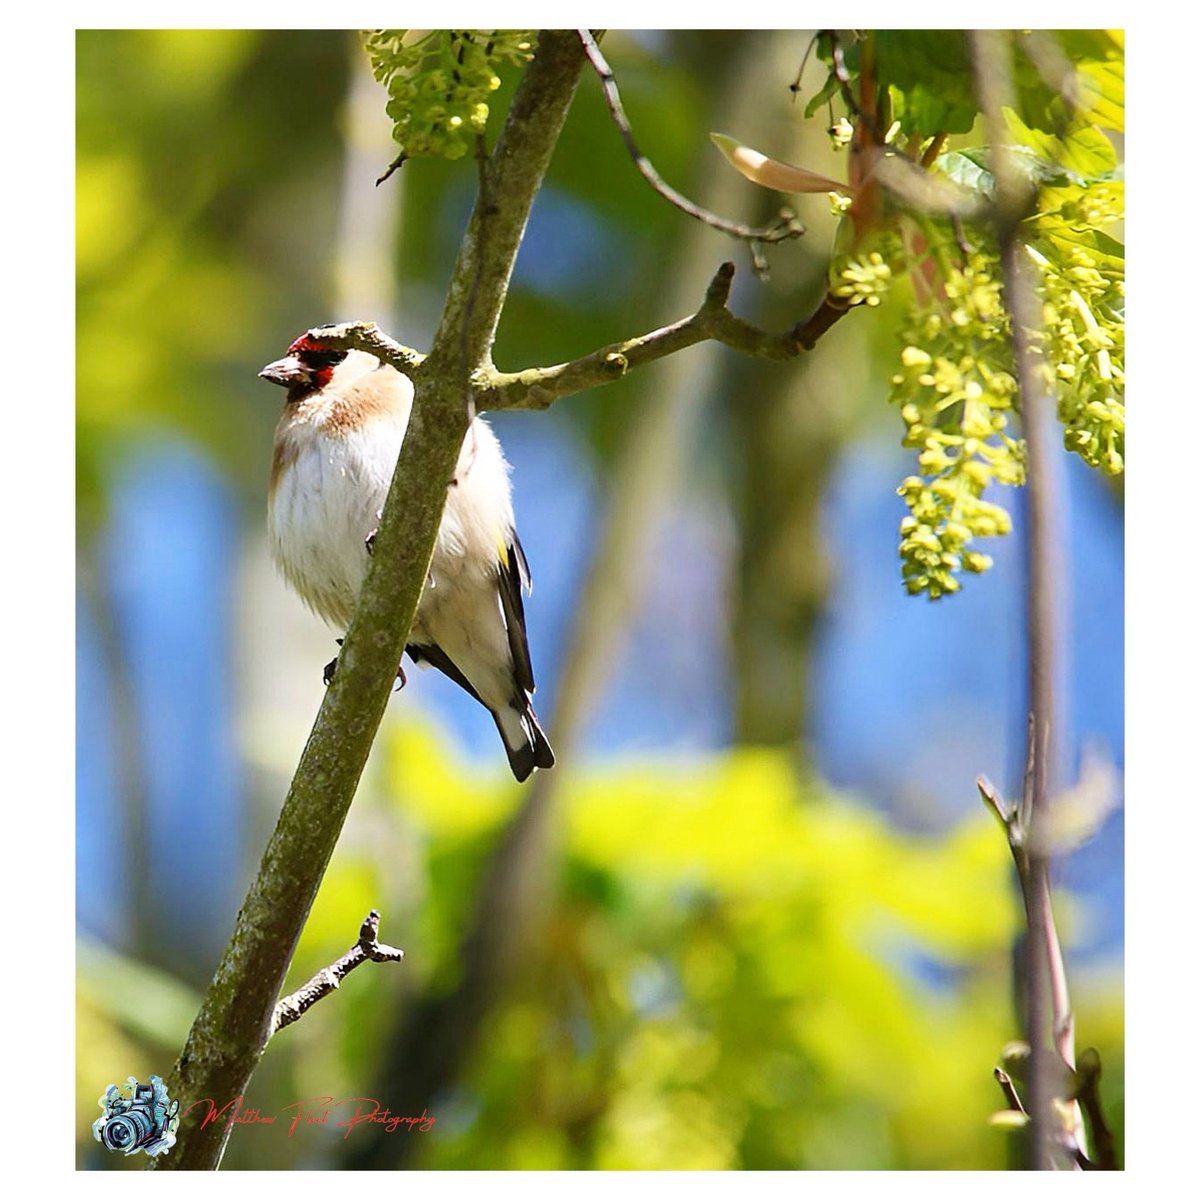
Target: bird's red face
{"type": "Point", "coordinates": [307, 367]}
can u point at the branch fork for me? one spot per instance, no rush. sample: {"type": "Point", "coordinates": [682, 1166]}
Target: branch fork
{"type": "Point", "coordinates": [540, 387]}
{"type": "Point", "coordinates": [368, 948]}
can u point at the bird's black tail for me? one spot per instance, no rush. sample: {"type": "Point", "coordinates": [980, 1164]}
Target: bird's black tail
{"type": "Point", "coordinates": [524, 741]}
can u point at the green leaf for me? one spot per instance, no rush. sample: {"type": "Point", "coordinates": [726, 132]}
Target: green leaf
{"type": "Point", "coordinates": [828, 90]}
{"type": "Point", "coordinates": [1082, 150]}
{"type": "Point", "coordinates": [1108, 252]}
{"type": "Point", "coordinates": [966, 169]}
{"type": "Point", "coordinates": [1099, 58]}
{"type": "Point", "coordinates": [929, 72]}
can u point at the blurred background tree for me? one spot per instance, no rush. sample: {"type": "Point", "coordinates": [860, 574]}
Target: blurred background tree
{"type": "Point", "coordinates": [770, 926]}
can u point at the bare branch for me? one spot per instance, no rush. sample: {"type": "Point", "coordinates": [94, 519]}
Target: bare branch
{"type": "Point", "coordinates": [842, 75]}
{"type": "Point", "coordinates": [392, 167]}
{"type": "Point", "coordinates": [1046, 974]}
{"type": "Point", "coordinates": [1043, 932]}
{"type": "Point", "coordinates": [782, 230]}
{"type": "Point", "coordinates": [368, 948]}
{"type": "Point", "coordinates": [1004, 1079]}
{"type": "Point", "coordinates": [539, 387]}
{"type": "Point", "coordinates": [992, 798]}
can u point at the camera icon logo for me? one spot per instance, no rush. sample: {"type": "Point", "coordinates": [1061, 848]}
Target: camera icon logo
{"type": "Point", "coordinates": [137, 1116]}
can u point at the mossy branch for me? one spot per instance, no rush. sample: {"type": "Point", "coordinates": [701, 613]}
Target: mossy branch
{"type": "Point", "coordinates": [539, 387]}
{"type": "Point", "coordinates": [235, 1020]}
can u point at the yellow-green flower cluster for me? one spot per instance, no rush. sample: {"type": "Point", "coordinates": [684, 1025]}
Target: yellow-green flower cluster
{"type": "Point", "coordinates": [956, 390]}
{"type": "Point", "coordinates": [439, 83]}
{"type": "Point", "coordinates": [861, 278]}
{"type": "Point", "coordinates": [1084, 344]}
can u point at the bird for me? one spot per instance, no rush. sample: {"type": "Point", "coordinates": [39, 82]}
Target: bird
{"type": "Point", "coordinates": [335, 451]}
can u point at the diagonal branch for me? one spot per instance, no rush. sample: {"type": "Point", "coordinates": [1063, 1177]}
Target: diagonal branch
{"type": "Point", "coordinates": [235, 1020]}
{"type": "Point", "coordinates": [1013, 1100]}
{"type": "Point", "coordinates": [539, 387]}
{"type": "Point", "coordinates": [782, 230]}
{"type": "Point", "coordinates": [368, 948]}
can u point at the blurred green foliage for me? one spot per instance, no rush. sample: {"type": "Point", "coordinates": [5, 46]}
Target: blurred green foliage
{"type": "Point", "coordinates": [185, 213]}
{"type": "Point", "coordinates": [736, 969]}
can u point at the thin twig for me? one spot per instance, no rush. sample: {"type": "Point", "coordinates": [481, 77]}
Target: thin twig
{"type": "Point", "coordinates": [785, 228]}
{"type": "Point", "coordinates": [992, 798]}
{"type": "Point", "coordinates": [1004, 1079]}
{"type": "Point", "coordinates": [1046, 974]}
{"type": "Point", "coordinates": [842, 75]}
{"type": "Point", "coordinates": [393, 167]}
{"type": "Point", "coordinates": [794, 87]}
{"type": "Point", "coordinates": [368, 948]}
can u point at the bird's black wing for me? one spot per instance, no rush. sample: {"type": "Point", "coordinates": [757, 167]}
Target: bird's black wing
{"type": "Point", "coordinates": [514, 575]}
{"type": "Point", "coordinates": [435, 656]}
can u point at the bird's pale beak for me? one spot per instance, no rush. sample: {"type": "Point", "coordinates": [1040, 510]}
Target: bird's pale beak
{"type": "Point", "coordinates": [285, 371]}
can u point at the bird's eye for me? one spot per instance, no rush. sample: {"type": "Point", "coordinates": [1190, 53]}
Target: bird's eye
{"type": "Point", "coordinates": [322, 358]}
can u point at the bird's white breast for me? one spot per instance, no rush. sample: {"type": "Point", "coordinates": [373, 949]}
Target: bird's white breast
{"type": "Point", "coordinates": [324, 506]}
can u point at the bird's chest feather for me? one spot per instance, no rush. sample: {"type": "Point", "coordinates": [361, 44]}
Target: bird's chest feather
{"type": "Point", "coordinates": [327, 496]}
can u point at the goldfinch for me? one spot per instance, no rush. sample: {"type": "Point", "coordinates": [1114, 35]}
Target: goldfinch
{"type": "Point", "coordinates": [336, 447]}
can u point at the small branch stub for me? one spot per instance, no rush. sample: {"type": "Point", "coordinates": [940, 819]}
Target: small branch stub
{"type": "Point", "coordinates": [367, 948]}
{"type": "Point", "coordinates": [1087, 1092]}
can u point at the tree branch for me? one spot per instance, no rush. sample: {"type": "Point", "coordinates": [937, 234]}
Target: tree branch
{"type": "Point", "coordinates": [1046, 983]}
{"type": "Point", "coordinates": [1012, 1099]}
{"type": "Point", "coordinates": [781, 230]}
{"type": "Point", "coordinates": [539, 387]}
{"type": "Point", "coordinates": [368, 948]}
{"type": "Point", "coordinates": [235, 1020]}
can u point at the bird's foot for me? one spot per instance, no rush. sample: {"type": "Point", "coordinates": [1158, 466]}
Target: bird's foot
{"type": "Point", "coordinates": [330, 668]}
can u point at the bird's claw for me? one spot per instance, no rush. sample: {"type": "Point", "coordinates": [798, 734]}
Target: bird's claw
{"type": "Point", "coordinates": [330, 668]}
